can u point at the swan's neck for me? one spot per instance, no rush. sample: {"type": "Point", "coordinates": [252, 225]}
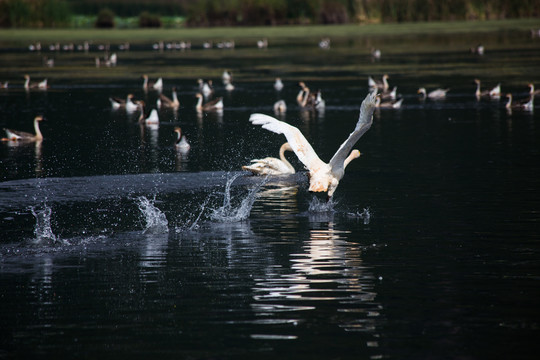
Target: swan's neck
{"type": "Point", "coordinates": [174, 97]}
{"type": "Point", "coordinates": [199, 103]}
{"type": "Point", "coordinates": [478, 92]}
{"type": "Point", "coordinates": [27, 83]}
{"type": "Point", "coordinates": [179, 134]}
{"type": "Point", "coordinates": [306, 97]}
{"type": "Point", "coordinates": [282, 150]}
{"type": "Point", "coordinates": [39, 136]}
{"type": "Point", "coordinates": [349, 158]}
{"type": "Point", "coordinates": [385, 83]}
{"type": "Point", "coordinates": [145, 83]}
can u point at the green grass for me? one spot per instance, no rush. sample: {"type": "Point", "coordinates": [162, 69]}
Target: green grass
{"type": "Point", "coordinates": [11, 37]}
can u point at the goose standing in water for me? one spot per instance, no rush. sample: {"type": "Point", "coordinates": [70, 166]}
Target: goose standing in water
{"type": "Point", "coordinates": [382, 85]}
{"type": "Point", "coordinates": [434, 95]}
{"type": "Point", "coordinates": [527, 105]}
{"type": "Point", "coordinates": [323, 177]}
{"type": "Point", "coordinates": [181, 142]}
{"type": "Point", "coordinates": [280, 107]}
{"type": "Point", "coordinates": [271, 165]}
{"type": "Point", "coordinates": [42, 85]}
{"type": "Point", "coordinates": [164, 102]}
{"type": "Point", "coordinates": [15, 135]}
{"type": "Point", "coordinates": [214, 105]}
{"type": "Point", "coordinates": [158, 85]}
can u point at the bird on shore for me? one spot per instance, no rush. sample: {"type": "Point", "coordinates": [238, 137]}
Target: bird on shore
{"type": "Point", "coordinates": [323, 177]}
{"type": "Point", "coordinates": [271, 165]}
{"type": "Point", "coordinates": [16, 135]}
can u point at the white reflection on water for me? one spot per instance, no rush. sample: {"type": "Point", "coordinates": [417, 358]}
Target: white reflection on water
{"type": "Point", "coordinates": [329, 270]}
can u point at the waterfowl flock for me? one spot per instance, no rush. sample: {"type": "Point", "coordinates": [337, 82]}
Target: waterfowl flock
{"type": "Point", "coordinates": [324, 177]}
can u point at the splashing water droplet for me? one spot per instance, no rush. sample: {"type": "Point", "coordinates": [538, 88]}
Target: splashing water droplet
{"type": "Point", "coordinates": [318, 206]}
{"type": "Point", "coordinates": [43, 230]}
{"type": "Point", "coordinates": [156, 221]}
{"type": "Point", "coordinates": [230, 213]}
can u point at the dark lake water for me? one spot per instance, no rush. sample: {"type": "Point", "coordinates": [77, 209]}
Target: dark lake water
{"type": "Point", "coordinates": [114, 244]}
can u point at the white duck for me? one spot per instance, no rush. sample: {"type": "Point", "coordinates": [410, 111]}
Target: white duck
{"type": "Point", "coordinates": [323, 177]}
{"type": "Point", "coordinates": [434, 94]}
{"type": "Point", "coordinates": [131, 106]}
{"type": "Point", "coordinates": [181, 142]}
{"type": "Point", "coordinates": [271, 165]}
{"type": "Point", "coordinates": [15, 135]}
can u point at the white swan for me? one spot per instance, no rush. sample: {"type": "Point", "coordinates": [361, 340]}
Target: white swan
{"type": "Point", "coordinates": [181, 142]}
{"type": "Point", "coordinates": [15, 135]}
{"type": "Point", "coordinates": [271, 165]}
{"type": "Point", "coordinates": [434, 94]}
{"type": "Point", "coordinates": [389, 104]}
{"type": "Point", "coordinates": [152, 119]}
{"type": "Point", "coordinates": [324, 177]}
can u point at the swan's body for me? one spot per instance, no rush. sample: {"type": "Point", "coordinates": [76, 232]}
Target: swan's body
{"type": "Point", "coordinates": [214, 105]}
{"type": "Point", "coordinates": [271, 165]}
{"type": "Point", "coordinates": [280, 107]}
{"type": "Point", "coordinates": [15, 135]}
{"type": "Point", "coordinates": [165, 102]}
{"type": "Point", "coordinates": [434, 95]}
{"type": "Point", "coordinates": [392, 95]}
{"type": "Point", "coordinates": [117, 103]}
{"type": "Point", "coordinates": [181, 142]}
{"type": "Point", "coordinates": [278, 84]}
{"type": "Point", "coordinates": [324, 177]}
{"type": "Point", "coordinates": [153, 117]}
{"type": "Point", "coordinates": [226, 77]}
{"type": "Point", "coordinates": [320, 104]}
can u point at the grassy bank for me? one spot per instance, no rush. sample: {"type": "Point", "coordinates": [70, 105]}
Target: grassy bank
{"type": "Point", "coordinates": [21, 37]}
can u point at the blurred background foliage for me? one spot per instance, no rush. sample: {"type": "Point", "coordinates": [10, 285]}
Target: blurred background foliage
{"type": "Point", "coordinates": [177, 13]}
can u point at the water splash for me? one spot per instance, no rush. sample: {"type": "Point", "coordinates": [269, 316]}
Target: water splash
{"type": "Point", "coordinates": [230, 213]}
{"type": "Point", "coordinates": [156, 221]}
{"type": "Point", "coordinates": [365, 215]}
{"type": "Point", "coordinates": [318, 206]}
{"type": "Point", "coordinates": [43, 230]}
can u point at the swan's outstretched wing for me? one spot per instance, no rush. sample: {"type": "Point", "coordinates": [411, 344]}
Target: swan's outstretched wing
{"type": "Point", "coordinates": [301, 147]}
{"type": "Point", "coordinates": [364, 123]}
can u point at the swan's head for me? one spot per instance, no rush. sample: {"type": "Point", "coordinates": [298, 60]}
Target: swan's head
{"type": "Point", "coordinates": [198, 95]}
{"type": "Point", "coordinates": [355, 154]}
{"type": "Point", "coordinates": [26, 76]}
{"type": "Point", "coordinates": [39, 118]}
{"type": "Point", "coordinates": [385, 76]}
{"type": "Point", "coordinates": [422, 91]}
{"type": "Point", "coordinates": [477, 81]}
{"type": "Point", "coordinates": [145, 77]}
{"type": "Point", "coordinates": [178, 130]}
